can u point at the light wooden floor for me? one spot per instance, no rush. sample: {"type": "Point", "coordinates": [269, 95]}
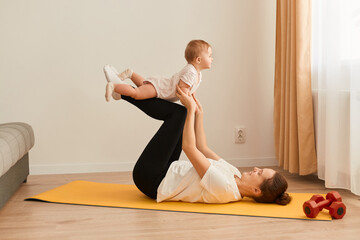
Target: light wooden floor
{"type": "Point", "coordinates": [22, 220]}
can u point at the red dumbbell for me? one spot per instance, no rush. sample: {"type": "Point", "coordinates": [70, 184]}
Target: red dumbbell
{"type": "Point", "coordinates": [333, 203]}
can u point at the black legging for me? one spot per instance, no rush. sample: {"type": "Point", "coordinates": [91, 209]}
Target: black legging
{"type": "Point", "coordinates": [164, 148]}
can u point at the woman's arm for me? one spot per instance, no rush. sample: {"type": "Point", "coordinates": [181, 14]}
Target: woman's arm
{"type": "Point", "coordinates": [197, 158]}
{"type": "Point", "coordinates": [201, 142]}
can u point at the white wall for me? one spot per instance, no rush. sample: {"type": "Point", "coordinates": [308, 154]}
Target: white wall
{"type": "Point", "coordinates": [51, 59]}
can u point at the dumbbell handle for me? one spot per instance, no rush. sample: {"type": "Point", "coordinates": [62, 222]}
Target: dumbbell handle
{"type": "Point", "coordinates": [324, 204]}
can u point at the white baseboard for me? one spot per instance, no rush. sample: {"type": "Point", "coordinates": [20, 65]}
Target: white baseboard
{"type": "Point", "coordinates": [128, 166]}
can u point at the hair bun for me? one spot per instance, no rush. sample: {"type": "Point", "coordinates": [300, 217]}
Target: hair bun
{"type": "Point", "coordinates": [283, 199]}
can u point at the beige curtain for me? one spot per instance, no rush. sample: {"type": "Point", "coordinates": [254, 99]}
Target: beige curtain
{"type": "Point", "coordinates": [293, 109]}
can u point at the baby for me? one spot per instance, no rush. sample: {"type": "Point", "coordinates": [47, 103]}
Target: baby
{"type": "Point", "coordinates": [198, 54]}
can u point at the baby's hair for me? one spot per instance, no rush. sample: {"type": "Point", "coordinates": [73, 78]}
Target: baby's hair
{"type": "Point", "coordinates": [194, 48]}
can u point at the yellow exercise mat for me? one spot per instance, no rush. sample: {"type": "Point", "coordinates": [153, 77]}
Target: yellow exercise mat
{"type": "Point", "coordinates": [128, 196]}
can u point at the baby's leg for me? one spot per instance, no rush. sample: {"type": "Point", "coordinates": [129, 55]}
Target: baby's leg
{"type": "Point", "coordinates": [129, 73]}
{"type": "Point", "coordinates": [137, 79]}
{"type": "Point", "coordinates": [144, 91]}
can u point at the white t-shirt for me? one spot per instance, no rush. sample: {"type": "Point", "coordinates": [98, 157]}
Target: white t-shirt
{"type": "Point", "coordinates": [166, 87]}
{"type": "Point", "coordinates": [182, 183]}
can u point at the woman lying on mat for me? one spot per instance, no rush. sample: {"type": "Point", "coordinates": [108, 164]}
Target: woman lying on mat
{"type": "Point", "coordinates": [206, 178]}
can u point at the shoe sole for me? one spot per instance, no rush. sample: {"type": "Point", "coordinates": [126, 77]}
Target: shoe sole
{"type": "Point", "coordinates": [108, 92]}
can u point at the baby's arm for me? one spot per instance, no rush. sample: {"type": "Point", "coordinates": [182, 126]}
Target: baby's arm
{"type": "Point", "coordinates": [184, 87]}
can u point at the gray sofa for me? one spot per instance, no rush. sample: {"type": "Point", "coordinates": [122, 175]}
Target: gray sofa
{"type": "Point", "coordinates": [16, 139]}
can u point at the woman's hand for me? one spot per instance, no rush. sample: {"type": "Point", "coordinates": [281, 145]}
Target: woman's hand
{"type": "Point", "coordinates": [199, 109]}
{"type": "Point", "coordinates": [186, 100]}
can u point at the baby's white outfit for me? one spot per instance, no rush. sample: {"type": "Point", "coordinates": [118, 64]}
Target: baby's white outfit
{"type": "Point", "coordinates": [183, 183]}
{"type": "Point", "coordinates": [166, 87]}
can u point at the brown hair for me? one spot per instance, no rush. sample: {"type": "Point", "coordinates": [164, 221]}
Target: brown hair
{"type": "Point", "coordinates": [273, 190]}
{"type": "Point", "coordinates": [194, 48]}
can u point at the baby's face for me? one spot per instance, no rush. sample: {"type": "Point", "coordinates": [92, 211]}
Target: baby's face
{"type": "Point", "coordinates": [206, 59]}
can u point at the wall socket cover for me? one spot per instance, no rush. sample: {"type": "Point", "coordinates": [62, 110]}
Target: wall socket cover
{"type": "Point", "coordinates": [240, 134]}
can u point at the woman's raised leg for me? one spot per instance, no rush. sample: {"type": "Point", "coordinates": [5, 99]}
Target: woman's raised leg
{"type": "Point", "coordinates": [165, 146]}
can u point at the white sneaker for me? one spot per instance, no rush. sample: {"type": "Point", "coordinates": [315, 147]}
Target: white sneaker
{"type": "Point", "coordinates": [110, 75]}
{"type": "Point", "coordinates": [126, 74]}
{"type": "Point", "coordinates": [109, 90]}
{"type": "Point", "coordinates": [115, 71]}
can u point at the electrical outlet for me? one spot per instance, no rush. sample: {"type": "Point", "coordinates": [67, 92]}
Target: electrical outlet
{"type": "Point", "coordinates": [240, 135]}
